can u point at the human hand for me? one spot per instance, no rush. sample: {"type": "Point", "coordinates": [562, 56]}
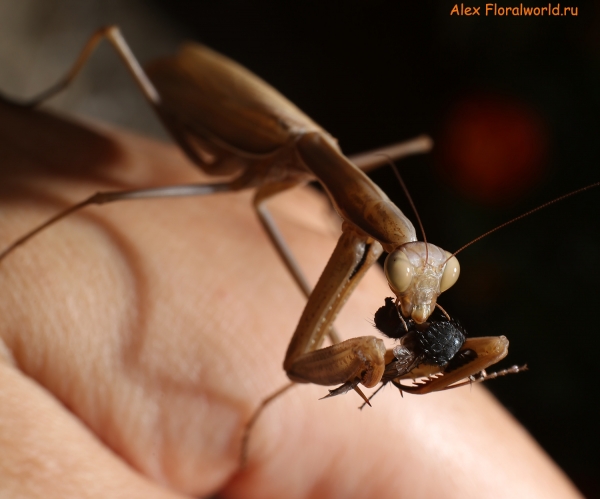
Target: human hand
{"type": "Point", "coordinates": [139, 337]}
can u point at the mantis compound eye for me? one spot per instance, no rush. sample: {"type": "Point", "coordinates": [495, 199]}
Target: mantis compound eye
{"type": "Point", "coordinates": [399, 271]}
{"type": "Point", "coordinates": [451, 273]}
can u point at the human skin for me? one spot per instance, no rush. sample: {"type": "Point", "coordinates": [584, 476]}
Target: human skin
{"type": "Point", "coordinates": [138, 338]}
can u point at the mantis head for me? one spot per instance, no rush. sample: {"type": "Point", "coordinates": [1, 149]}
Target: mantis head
{"type": "Point", "coordinates": [417, 272]}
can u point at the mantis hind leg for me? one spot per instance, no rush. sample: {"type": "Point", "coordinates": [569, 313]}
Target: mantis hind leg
{"type": "Point", "coordinates": [112, 196]}
{"type": "Point", "coordinates": [114, 36]}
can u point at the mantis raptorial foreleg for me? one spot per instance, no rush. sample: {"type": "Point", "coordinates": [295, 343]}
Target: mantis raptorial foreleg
{"type": "Point", "coordinates": [363, 358]}
{"type": "Point", "coordinates": [263, 193]}
{"type": "Point", "coordinates": [485, 351]}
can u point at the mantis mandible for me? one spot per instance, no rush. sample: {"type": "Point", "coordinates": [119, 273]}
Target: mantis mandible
{"type": "Point", "coordinates": [229, 122]}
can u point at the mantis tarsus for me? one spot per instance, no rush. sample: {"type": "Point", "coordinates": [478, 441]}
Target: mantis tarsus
{"type": "Point", "coordinates": [231, 123]}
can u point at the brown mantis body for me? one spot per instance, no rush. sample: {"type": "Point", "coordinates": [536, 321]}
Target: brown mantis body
{"type": "Point", "coordinates": [229, 122]}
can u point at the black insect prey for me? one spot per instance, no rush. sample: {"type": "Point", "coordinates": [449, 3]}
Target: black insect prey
{"type": "Point", "coordinates": [437, 342]}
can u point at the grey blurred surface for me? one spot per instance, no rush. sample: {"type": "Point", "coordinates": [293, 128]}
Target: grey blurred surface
{"type": "Point", "coordinates": [40, 39]}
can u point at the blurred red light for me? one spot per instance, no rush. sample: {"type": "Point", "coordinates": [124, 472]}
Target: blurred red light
{"type": "Point", "coordinates": [492, 149]}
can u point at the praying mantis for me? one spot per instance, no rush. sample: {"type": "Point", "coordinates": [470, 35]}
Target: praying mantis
{"type": "Point", "coordinates": [229, 122]}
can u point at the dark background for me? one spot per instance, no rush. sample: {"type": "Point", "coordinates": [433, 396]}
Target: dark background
{"type": "Point", "coordinates": [513, 106]}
